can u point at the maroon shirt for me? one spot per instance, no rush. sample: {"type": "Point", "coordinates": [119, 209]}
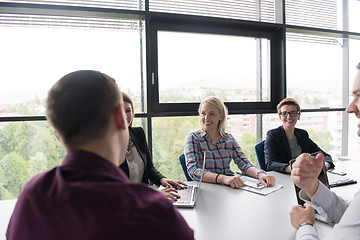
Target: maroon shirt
{"type": "Point", "coordinates": [88, 197]}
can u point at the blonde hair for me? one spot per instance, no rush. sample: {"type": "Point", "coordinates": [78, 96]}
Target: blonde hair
{"type": "Point", "coordinates": [219, 104]}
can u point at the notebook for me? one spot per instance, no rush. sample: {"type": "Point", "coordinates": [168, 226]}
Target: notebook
{"type": "Point", "coordinates": [189, 195]}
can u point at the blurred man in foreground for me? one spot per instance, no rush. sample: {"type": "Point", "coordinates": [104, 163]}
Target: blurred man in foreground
{"type": "Point", "coordinates": [88, 196]}
{"type": "Point", "coordinates": [305, 174]}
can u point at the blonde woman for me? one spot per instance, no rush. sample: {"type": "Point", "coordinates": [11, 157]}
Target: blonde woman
{"type": "Point", "coordinates": [220, 147]}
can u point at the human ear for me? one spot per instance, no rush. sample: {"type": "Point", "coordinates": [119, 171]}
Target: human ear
{"type": "Point", "coordinates": [221, 116]}
{"type": "Point", "coordinates": [58, 136]}
{"type": "Point", "coordinates": [120, 116]}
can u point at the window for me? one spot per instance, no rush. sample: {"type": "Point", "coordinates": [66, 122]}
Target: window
{"type": "Point", "coordinates": [314, 71]}
{"type": "Point", "coordinates": [233, 61]}
{"type": "Point", "coordinates": [36, 51]}
{"type": "Point", "coordinates": [195, 68]}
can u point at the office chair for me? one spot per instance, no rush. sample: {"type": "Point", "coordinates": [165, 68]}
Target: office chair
{"type": "Point", "coordinates": [259, 150]}
{"type": "Point", "coordinates": [183, 165]}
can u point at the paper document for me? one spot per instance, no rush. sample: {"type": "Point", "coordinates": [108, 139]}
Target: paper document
{"type": "Point", "coordinates": [262, 191]}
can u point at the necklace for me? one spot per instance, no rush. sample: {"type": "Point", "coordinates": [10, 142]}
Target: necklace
{"type": "Point", "coordinates": [129, 151]}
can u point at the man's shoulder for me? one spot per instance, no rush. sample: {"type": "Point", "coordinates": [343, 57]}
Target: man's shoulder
{"type": "Point", "coordinates": [39, 181]}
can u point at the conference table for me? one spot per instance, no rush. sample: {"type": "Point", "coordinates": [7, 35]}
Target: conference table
{"type": "Point", "coordinates": [222, 212]}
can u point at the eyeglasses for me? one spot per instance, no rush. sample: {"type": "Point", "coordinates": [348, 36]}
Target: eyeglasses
{"type": "Point", "coordinates": [292, 113]}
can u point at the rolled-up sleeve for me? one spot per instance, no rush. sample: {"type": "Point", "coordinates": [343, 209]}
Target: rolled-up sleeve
{"type": "Point", "coordinates": [239, 157]}
{"type": "Point", "coordinates": [192, 151]}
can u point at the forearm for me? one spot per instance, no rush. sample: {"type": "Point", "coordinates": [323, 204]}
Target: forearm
{"type": "Point", "coordinates": [333, 205]}
{"type": "Point", "coordinates": [252, 171]}
{"type": "Point", "coordinates": [213, 177]}
{"type": "Point", "coordinates": [155, 176]}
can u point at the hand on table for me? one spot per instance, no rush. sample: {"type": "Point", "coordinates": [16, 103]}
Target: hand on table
{"type": "Point", "coordinates": [266, 180]}
{"type": "Point", "coordinates": [172, 183]}
{"type": "Point", "coordinates": [171, 186]}
{"type": "Point", "coordinates": [302, 214]}
{"type": "Point", "coordinates": [232, 181]}
{"type": "Point", "coordinates": [170, 192]}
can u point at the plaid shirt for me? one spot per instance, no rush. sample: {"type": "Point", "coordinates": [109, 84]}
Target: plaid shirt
{"type": "Point", "coordinates": [218, 156]}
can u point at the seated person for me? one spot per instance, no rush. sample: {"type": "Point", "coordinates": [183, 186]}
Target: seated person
{"type": "Point", "coordinates": [220, 148]}
{"type": "Point", "coordinates": [88, 196]}
{"type": "Point", "coordinates": [287, 142]}
{"type": "Point", "coordinates": [138, 164]}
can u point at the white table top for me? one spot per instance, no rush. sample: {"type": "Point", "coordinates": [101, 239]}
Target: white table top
{"type": "Point", "coordinates": [225, 213]}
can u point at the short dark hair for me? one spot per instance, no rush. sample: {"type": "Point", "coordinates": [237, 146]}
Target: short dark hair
{"type": "Point", "coordinates": [288, 101]}
{"type": "Point", "coordinates": [80, 104]}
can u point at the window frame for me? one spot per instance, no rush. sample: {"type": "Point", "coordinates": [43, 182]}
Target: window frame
{"type": "Point", "coordinates": [195, 24]}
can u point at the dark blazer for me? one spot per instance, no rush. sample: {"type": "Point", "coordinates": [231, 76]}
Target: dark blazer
{"type": "Point", "coordinates": [138, 137]}
{"type": "Point", "coordinates": [277, 149]}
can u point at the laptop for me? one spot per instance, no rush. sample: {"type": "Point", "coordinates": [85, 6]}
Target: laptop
{"type": "Point", "coordinates": [189, 194]}
{"type": "Point", "coordinates": [320, 214]}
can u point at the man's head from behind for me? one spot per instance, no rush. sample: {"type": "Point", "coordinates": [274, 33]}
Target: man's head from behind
{"type": "Point", "coordinates": [80, 104]}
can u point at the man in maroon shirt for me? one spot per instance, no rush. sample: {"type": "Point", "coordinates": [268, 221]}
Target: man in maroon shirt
{"type": "Point", "coordinates": [88, 196]}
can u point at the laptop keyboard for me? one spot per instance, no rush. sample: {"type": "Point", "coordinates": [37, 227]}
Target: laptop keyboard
{"type": "Point", "coordinates": [185, 194]}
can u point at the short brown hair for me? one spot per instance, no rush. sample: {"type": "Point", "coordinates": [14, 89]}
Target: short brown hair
{"type": "Point", "coordinates": [80, 104]}
{"type": "Point", "coordinates": [288, 101]}
{"type": "Point", "coordinates": [127, 99]}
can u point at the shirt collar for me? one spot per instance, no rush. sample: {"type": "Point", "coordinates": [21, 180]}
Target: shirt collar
{"type": "Point", "coordinates": [204, 135]}
{"type": "Point", "coordinates": [93, 162]}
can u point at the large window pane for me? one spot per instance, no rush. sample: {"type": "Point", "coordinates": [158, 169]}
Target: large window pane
{"type": "Point", "coordinates": [168, 135]}
{"type": "Point", "coordinates": [354, 16]}
{"type": "Point", "coordinates": [26, 148]}
{"type": "Point", "coordinates": [36, 51]}
{"type": "Point", "coordinates": [193, 66]}
{"type": "Point", "coordinates": [314, 71]}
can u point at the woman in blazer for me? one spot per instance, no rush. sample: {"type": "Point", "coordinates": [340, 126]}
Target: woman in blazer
{"type": "Point", "coordinates": [287, 142]}
{"type": "Point", "coordinates": [138, 165]}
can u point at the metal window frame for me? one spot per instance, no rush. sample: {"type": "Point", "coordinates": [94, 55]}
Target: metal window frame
{"type": "Point", "coordinates": [195, 24]}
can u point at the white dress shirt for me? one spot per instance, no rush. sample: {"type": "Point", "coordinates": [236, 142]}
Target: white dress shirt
{"type": "Point", "coordinates": [345, 217]}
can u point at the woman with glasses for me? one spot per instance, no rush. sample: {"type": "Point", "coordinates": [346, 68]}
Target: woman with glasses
{"type": "Point", "coordinates": [287, 142]}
